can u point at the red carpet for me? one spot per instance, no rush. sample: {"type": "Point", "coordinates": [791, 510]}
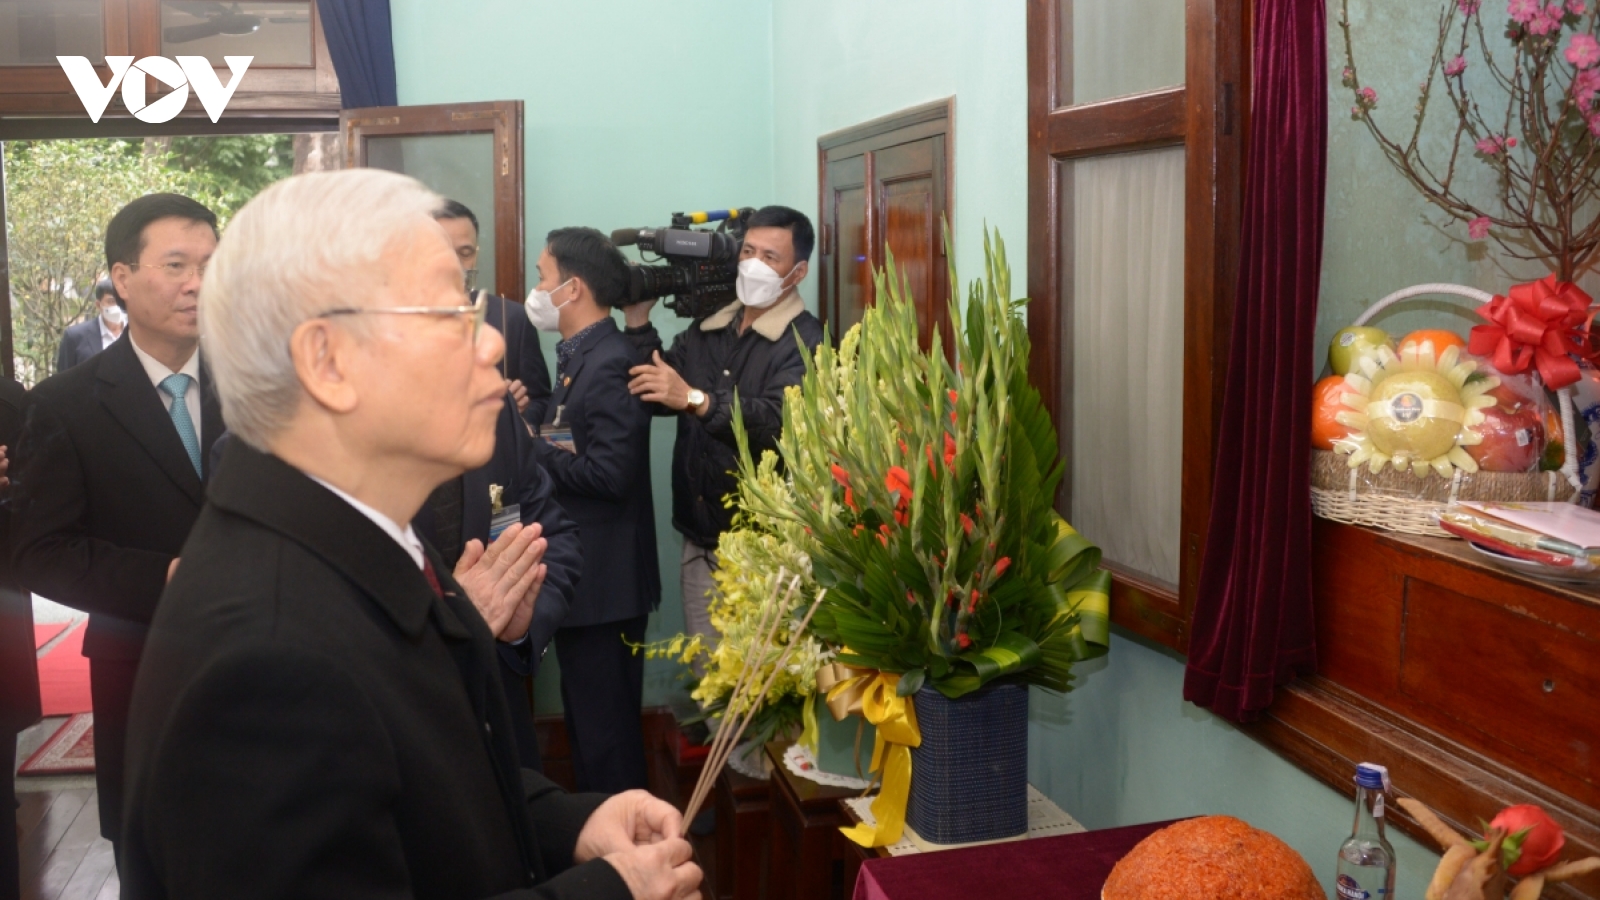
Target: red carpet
{"type": "Point", "coordinates": [64, 677]}
{"type": "Point", "coordinates": [42, 634]}
{"type": "Point", "coordinates": [70, 751]}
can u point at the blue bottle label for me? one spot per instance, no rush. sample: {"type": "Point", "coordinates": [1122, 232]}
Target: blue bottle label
{"type": "Point", "coordinates": [1350, 889]}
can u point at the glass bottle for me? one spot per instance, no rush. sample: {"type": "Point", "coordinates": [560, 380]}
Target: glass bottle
{"type": "Point", "coordinates": [1366, 860]}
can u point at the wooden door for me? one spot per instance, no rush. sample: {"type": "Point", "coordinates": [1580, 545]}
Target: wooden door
{"type": "Point", "coordinates": [469, 152]}
{"type": "Point", "coordinates": [885, 190]}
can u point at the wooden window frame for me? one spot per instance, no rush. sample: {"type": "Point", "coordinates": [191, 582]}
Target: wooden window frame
{"type": "Point", "coordinates": [933, 119]}
{"type": "Point", "coordinates": [1204, 116]}
{"type": "Point", "coordinates": [500, 118]}
{"type": "Point", "coordinates": [38, 101]}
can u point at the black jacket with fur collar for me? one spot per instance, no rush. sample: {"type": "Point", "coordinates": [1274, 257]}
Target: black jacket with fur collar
{"type": "Point", "coordinates": [713, 356]}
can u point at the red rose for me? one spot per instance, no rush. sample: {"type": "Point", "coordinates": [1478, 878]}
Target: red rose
{"type": "Point", "coordinates": [1533, 839]}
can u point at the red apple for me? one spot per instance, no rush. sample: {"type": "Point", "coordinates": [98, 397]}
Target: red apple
{"type": "Point", "coordinates": [1512, 439]}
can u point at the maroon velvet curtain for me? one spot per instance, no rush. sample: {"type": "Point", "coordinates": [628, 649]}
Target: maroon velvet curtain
{"type": "Point", "coordinates": [1253, 628]}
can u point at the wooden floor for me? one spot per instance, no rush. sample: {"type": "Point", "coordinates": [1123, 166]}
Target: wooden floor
{"type": "Point", "coordinates": [63, 855]}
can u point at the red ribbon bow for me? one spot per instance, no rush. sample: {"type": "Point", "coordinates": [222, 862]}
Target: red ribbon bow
{"type": "Point", "coordinates": [1542, 323]}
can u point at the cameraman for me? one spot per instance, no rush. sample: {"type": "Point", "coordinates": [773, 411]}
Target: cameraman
{"type": "Point", "coordinates": [749, 346]}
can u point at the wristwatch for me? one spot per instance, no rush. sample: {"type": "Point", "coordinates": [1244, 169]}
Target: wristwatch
{"type": "Point", "coordinates": [697, 398]}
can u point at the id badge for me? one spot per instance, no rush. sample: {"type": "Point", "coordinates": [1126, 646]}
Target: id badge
{"type": "Point", "coordinates": [561, 437]}
{"type": "Point", "coordinates": [505, 518]}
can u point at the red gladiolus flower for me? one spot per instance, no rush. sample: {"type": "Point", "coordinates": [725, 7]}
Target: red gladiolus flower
{"type": "Point", "coordinates": [963, 641]}
{"type": "Point", "coordinates": [966, 524]}
{"type": "Point", "coordinates": [972, 600]}
{"type": "Point", "coordinates": [952, 394]}
{"type": "Point", "coordinates": [931, 470]}
{"type": "Point", "coordinates": [1533, 839]}
{"type": "Point", "coordinates": [856, 531]}
{"type": "Point", "coordinates": [950, 597]}
{"type": "Point", "coordinates": [902, 444]}
{"type": "Point", "coordinates": [1001, 566]}
{"type": "Point", "coordinates": [850, 500]}
{"type": "Point", "coordinates": [949, 451]}
{"type": "Point", "coordinates": [884, 540]}
{"type": "Point", "coordinates": [840, 475]}
{"type": "Point", "coordinates": [898, 480]}
{"type": "Point", "coordinates": [902, 518]}
{"type": "Point", "coordinates": [911, 599]}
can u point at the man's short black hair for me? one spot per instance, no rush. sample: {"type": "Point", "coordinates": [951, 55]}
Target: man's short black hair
{"type": "Point", "coordinates": [102, 288]}
{"type": "Point", "coordinates": [125, 233]}
{"type": "Point", "coordinates": [795, 221]}
{"type": "Point", "coordinates": [586, 253]}
{"type": "Point", "coordinates": [455, 209]}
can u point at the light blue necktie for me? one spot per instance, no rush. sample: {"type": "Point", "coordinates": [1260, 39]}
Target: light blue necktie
{"type": "Point", "coordinates": [176, 386]}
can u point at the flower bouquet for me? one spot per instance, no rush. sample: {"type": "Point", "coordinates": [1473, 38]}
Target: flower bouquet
{"type": "Point", "coordinates": [922, 493]}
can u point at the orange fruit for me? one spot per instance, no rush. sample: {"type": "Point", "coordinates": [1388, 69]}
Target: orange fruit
{"type": "Point", "coordinates": [1327, 401]}
{"type": "Point", "coordinates": [1440, 337]}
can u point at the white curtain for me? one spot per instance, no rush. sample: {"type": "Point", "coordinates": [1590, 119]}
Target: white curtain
{"type": "Point", "coordinates": [1122, 47]}
{"type": "Point", "coordinates": [1127, 355]}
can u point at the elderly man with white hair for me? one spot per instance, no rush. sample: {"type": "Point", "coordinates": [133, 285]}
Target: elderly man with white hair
{"type": "Point", "coordinates": [318, 712]}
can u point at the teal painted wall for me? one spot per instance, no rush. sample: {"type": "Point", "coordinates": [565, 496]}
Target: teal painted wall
{"type": "Point", "coordinates": [633, 110]}
{"type": "Point", "coordinates": [1124, 747]}
{"type": "Point", "coordinates": [837, 63]}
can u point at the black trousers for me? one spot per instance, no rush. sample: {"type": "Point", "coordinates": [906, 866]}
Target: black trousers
{"type": "Point", "coordinates": [10, 865]}
{"type": "Point", "coordinates": [111, 689]}
{"type": "Point", "coordinates": [602, 690]}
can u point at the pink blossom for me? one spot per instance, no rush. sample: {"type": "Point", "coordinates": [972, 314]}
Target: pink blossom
{"type": "Point", "coordinates": [1494, 145]}
{"type": "Point", "coordinates": [1594, 124]}
{"type": "Point", "coordinates": [1585, 86]}
{"type": "Point", "coordinates": [1455, 66]}
{"type": "Point", "coordinates": [1368, 97]}
{"type": "Point", "coordinates": [1478, 228]}
{"type": "Point", "coordinates": [1577, 7]}
{"type": "Point", "coordinates": [1546, 22]}
{"type": "Point", "coordinates": [1583, 51]}
{"type": "Point", "coordinates": [1523, 11]}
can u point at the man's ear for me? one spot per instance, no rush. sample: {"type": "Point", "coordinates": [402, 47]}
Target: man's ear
{"type": "Point", "coordinates": [121, 274]}
{"type": "Point", "coordinates": [320, 351]}
{"type": "Point", "coordinates": [804, 268]}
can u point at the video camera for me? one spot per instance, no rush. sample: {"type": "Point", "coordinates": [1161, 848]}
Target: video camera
{"type": "Point", "coordinates": [700, 265]}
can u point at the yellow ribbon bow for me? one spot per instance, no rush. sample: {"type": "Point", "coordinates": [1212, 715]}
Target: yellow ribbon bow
{"type": "Point", "coordinates": [896, 721]}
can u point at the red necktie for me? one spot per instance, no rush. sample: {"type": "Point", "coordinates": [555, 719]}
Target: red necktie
{"type": "Point", "coordinates": [433, 577]}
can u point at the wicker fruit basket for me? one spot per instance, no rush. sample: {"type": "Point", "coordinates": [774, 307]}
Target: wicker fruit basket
{"type": "Point", "coordinates": [1402, 501]}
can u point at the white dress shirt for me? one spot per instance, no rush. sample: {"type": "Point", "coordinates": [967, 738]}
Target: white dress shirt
{"type": "Point", "coordinates": [159, 372]}
{"type": "Point", "coordinates": [107, 337]}
{"type": "Point", "coordinates": [405, 537]}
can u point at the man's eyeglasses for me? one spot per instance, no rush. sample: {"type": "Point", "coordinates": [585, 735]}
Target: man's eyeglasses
{"type": "Point", "coordinates": [477, 309]}
{"type": "Point", "coordinates": [175, 271]}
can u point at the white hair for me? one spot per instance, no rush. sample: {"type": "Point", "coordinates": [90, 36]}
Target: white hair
{"type": "Point", "coordinates": [305, 245]}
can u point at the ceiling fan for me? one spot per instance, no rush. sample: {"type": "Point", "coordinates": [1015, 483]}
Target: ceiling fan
{"type": "Point", "coordinates": [219, 20]}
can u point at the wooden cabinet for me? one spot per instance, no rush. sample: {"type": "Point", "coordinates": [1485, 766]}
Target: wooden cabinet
{"type": "Point", "coordinates": [1479, 688]}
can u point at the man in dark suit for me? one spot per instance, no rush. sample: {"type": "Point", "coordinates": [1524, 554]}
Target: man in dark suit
{"type": "Point", "coordinates": [85, 339]}
{"type": "Point", "coordinates": [111, 467]}
{"type": "Point", "coordinates": [463, 517]}
{"type": "Point", "coordinates": [524, 363]}
{"type": "Point", "coordinates": [19, 665]}
{"type": "Point", "coordinates": [318, 713]}
{"type": "Point", "coordinates": [597, 449]}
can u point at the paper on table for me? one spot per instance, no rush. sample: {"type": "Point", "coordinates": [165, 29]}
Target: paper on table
{"type": "Point", "coordinates": [1568, 522]}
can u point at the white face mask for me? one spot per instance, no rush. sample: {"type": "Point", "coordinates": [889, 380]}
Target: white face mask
{"type": "Point", "coordinates": [114, 315]}
{"type": "Point", "coordinates": [542, 311]}
{"type": "Point", "coordinates": [759, 285]}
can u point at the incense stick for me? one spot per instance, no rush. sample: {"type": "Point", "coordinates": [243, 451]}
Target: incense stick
{"type": "Point", "coordinates": [761, 639]}
{"type": "Point", "coordinates": [714, 766]}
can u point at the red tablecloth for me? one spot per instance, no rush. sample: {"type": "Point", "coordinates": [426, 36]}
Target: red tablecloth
{"type": "Point", "coordinates": [1066, 867]}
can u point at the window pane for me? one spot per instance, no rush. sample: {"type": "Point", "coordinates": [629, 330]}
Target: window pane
{"type": "Point", "coordinates": [275, 32]}
{"type": "Point", "coordinates": [34, 32]}
{"type": "Point", "coordinates": [1125, 294]}
{"type": "Point", "coordinates": [457, 166]}
{"type": "Point", "coordinates": [1112, 48]}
